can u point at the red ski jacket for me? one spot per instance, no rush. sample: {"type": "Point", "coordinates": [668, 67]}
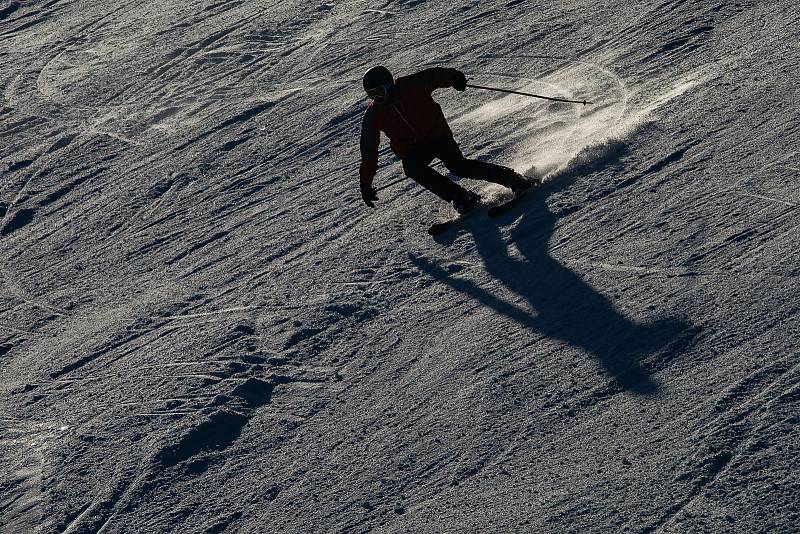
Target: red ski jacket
{"type": "Point", "coordinates": [412, 117]}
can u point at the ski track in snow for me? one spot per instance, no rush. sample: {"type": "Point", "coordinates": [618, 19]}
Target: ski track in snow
{"type": "Point", "coordinates": [203, 330]}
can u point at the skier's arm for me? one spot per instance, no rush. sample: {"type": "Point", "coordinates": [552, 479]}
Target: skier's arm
{"type": "Point", "coordinates": [437, 78]}
{"type": "Point", "coordinates": [370, 139]}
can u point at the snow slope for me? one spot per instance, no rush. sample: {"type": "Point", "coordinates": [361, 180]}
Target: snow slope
{"type": "Point", "coordinates": [202, 329]}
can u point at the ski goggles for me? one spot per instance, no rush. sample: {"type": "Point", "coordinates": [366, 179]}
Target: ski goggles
{"type": "Point", "coordinates": [380, 92]}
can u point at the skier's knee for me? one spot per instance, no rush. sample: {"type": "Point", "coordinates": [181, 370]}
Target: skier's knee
{"type": "Point", "coordinates": [413, 171]}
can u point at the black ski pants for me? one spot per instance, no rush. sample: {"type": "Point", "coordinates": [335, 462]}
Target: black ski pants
{"type": "Point", "coordinates": [417, 162]}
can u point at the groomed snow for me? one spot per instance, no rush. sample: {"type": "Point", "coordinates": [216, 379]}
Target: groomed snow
{"type": "Point", "coordinates": [203, 329]}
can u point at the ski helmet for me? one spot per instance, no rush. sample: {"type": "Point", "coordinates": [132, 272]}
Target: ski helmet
{"type": "Point", "coordinates": [377, 76]}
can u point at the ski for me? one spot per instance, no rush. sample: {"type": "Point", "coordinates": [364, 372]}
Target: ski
{"type": "Point", "coordinates": [503, 207]}
{"type": "Point", "coordinates": [439, 227]}
{"type": "Point", "coordinates": [493, 211]}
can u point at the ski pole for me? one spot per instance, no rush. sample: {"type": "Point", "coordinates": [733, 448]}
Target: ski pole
{"type": "Point", "coordinates": [584, 102]}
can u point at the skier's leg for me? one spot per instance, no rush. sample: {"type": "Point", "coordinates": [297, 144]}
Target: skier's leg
{"type": "Point", "coordinates": [416, 167]}
{"type": "Point", "coordinates": [447, 150]}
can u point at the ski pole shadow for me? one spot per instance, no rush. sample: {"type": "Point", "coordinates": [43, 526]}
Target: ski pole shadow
{"type": "Point", "coordinates": [566, 307]}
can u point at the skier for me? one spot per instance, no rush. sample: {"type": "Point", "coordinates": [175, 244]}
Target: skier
{"type": "Point", "coordinates": [418, 132]}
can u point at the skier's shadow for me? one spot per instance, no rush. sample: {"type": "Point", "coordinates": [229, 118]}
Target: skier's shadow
{"type": "Point", "coordinates": [565, 306]}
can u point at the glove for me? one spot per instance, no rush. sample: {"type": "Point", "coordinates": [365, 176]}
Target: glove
{"type": "Point", "coordinates": [459, 81]}
{"type": "Point", "coordinates": [369, 195]}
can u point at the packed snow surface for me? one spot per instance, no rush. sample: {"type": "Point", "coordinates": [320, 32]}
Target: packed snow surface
{"type": "Point", "coordinates": [203, 329]}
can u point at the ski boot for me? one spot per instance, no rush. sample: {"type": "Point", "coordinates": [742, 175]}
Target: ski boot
{"type": "Point", "coordinates": [467, 203]}
{"type": "Point", "coordinates": [521, 183]}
